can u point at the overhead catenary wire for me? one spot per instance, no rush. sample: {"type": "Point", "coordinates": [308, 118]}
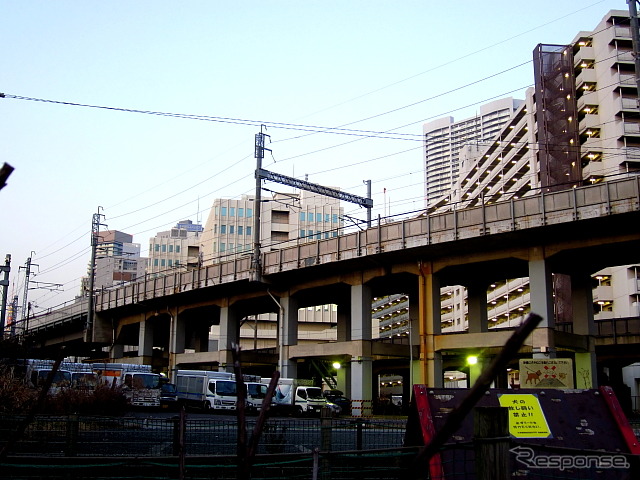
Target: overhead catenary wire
{"type": "Point", "coordinates": [361, 162]}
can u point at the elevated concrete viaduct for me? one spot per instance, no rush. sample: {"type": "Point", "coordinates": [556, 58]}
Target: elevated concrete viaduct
{"type": "Point", "coordinates": [574, 232]}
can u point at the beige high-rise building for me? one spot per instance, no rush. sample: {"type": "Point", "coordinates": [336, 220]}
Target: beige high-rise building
{"type": "Point", "coordinates": [175, 250]}
{"type": "Point", "coordinates": [286, 219]}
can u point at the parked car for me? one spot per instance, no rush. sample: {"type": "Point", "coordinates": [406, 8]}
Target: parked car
{"type": "Point", "coordinates": [337, 397]}
{"type": "Point", "coordinates": [168, 397]}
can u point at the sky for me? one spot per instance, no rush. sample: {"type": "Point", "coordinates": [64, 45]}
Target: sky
{"type": "Point", "coordinates": [341, 87]}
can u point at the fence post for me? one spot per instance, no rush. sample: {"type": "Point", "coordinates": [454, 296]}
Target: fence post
{"type": "Point", "coordinates": [326, 424]}
{"type": "Point", "coordinates": [359, 424]}
{"type": "Point", "coordinates": [73, 428]}
{"type": "Point", "coordinates": [491, 443]}
{"type": "Point", "coordinates": [179, 427]}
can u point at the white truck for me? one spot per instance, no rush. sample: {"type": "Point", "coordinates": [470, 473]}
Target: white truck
{"type": "Point", "coordinates": [37, 371]}
{"type": "Point", "coordinates": [205, 389]}
{"type": "Point", "coordinates": [256, 393]}
{"type": "Point", "coordinates": [297, 396]}
{"type": "Point", "coordinates": [140, 385]}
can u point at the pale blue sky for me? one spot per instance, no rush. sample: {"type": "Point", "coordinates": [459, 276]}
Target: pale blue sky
{"type": "Point", "coordinates": [325, 64]}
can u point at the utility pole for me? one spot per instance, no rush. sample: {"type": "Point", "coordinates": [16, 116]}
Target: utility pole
{"type": "Point", "coordinates": [14, 316]}
{"type": "Point", "coordinates": [259, 154]}
{"type": "Point", "coordinates": [368, 184]}
{"type": "Point", "coordinates": [26, 286]}
{"type": "Point", "coordinates": [95, 230]}
{"type": "Point", "coordinates": [5, 291]}
{"type": "Point", "coordinates": [635, 39]}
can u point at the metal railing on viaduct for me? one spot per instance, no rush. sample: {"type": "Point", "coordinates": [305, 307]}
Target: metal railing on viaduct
{"type": "Point", "coordinates": [572, 216]}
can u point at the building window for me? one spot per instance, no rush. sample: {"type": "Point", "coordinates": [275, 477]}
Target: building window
{"type": "Point", "coordinates": [223, 229]}
{"type": "Point", "coordinates": [303, 216]}
{"type": "Point", "coordinates": [177, 248]}
{"type": "Point", "coordinates": [334, 218]}
{"type": "Point", "coordinates": [240, 229]}
{"type": "Point", "coordinates": [301, 233]}
{"type": "Point", "coordinates": [318, 217]}
{"type": "Point", "coordinates": [224, 211]}
{"type": "Point", "coordinates": [232, 211]}
{"type": "Point", "coordinates": [170, 248]}
{"type": "Point", "coordinates": [249, 212]}
{"type": "Point", "coordinates": [327, 218]}
{"type": "Point", "coordinates": [215, 228]}
{"type": "Point", "coordinates": [231, 229]}
{"type": "Point", "coordinates": [231, 247]}
{"type": "Point", "coordinates": [157, 249]}
{"type": "Point", "coordinates": [162, 262]}
{"type": "Point", "coordinates": [164, 248]}
{"type": "Point", "coordinates": [170, 262]}
{"type": "Point", "coordinates": [155, 262]}
{"type": "Point", "coordinates": [310, 217]}
{"type": "Point", "coordinates": [248, 230]}
{"type": "Point", "coordinates": [223, 246]}
{"type": "Point", "coordinates": [240, 212]}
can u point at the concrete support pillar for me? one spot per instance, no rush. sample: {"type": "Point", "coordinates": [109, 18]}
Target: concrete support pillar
{"type": "Point", "coordinates": [287, 335]}
{"type": "Point", "coordinates": [583, 324]}
{"type": "Point", "coordinates": [201, 338]}
{"type": "Point", "coordinates": [229, 333]}
{"type": "Point", "coordinates": [361, 299]}
{"type": "Point", "coordinates": [477, 302]}
{"type": "Point", "coordinates": [414, 339]}
{"type": "Point", "coordinates": [145, 339]}
{"type": "Point", "coordinates": [177, 338]}
{"type": "Point", "coordinates": [541, 295]}
{"type": "Point", "coordinates": [116, 351]}
{"type": "Point", "coordinates": [361, 386]}
{"type": "Point", "coordinates": [429, 300]}
{"type": "Point", "coordinates": [344, 322]}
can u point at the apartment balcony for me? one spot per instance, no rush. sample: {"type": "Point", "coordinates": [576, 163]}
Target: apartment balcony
{"type": "Point", "coordinates": [591, 143]}
{"type": "Point", "coordinates": [585, 53]}
{"type": "Point", "coordinates": [627, 80]}
{"type": "Point", "coordinates": [631, 129]}
{"type": "Point", "coordinates": [593, 169]}
{"type": "Point", "coordinates": [629, 105]}
{"type": "Point", "coordinates": [587, 98]}
{"type": "Point", "coordinates": [603, 293]}
{"type": "Point", "coordinates": [586, 76]}
{"type": "Point", "coordinates": [589, 122]}
{"type": "Point", "coordinates": [625, 57]}
{"type": "Point", "coordinates": [617, 33]}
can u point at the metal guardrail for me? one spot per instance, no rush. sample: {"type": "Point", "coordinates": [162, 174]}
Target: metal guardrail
{"type": "Point", "coordinates": [600, 200]}
{"type": "Point", "coordinates": [603, 199]}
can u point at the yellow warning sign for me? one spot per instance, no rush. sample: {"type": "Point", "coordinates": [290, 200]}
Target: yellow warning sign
{"type": "Point", "coordinates": [526, 418]}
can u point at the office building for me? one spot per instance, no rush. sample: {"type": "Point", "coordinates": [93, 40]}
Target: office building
{"type": "Point", "coordinates": [175, 250]}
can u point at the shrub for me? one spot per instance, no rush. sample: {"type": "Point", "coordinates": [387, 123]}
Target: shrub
{"type": "Point", "coordinates": [15, 396]}
{"type": "Point", "coordinates": [104, 400]}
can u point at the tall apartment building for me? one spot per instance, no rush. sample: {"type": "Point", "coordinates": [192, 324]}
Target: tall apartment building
{"type": "Point", "coordinates": [444, 137]}
{"type": "Point", "coordinates": [118, 261]}
{"type": "Point", "coordinates": [286, 219]}
{"type": "Point", "coordinates": [175, 250]}
{"type": "Point", "coordinates": [579, 125]}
